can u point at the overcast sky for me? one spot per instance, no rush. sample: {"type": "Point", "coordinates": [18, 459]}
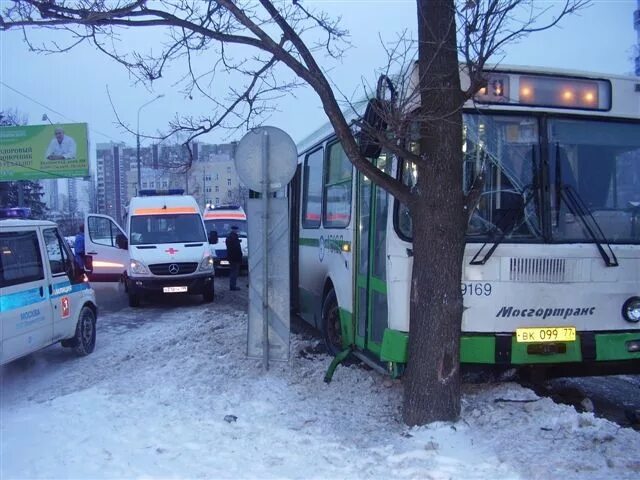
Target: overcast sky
{"type": "Point", "coordinates": [72, 87]}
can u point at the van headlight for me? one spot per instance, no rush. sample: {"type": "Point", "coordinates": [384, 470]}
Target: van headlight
{"type": "Point", "coordinates": [206, 265]}
{"type": "Point", "coordinates": [631, 310]}
{"type": "Point", "coordinates": [138, 268]}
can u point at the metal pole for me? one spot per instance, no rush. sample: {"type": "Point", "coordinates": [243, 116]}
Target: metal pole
{"type": "Point", "coordinates": [138, 138]}
{"type": "Point", "coordinates": [138, 151]}
{"type": "Point", "coordinates": [265, 240]}
{"type": "Point", "coordinates": [21, 193]}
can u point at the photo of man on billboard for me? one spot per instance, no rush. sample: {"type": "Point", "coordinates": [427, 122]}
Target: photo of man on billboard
{"type": "Point", "coordinates": [61, 147]}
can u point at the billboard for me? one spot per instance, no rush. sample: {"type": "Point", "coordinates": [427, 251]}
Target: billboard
{"type": "Point", "coordinates": [33, 152]}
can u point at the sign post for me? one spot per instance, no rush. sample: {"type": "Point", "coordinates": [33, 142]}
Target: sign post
{"type": "Point", "coordinates": [266, 160]}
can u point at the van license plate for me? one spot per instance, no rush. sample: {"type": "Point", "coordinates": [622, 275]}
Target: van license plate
{"type": "Point", "coordinates": [174, 289]}
{"type": "Point", "coordinates": [546, 334]}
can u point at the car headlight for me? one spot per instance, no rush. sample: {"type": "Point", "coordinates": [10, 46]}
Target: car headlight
{"type": "Point", "coordinates": [206, 265]}
{"type": "Point", "coordinates": [631, 310]}
{"type": "Point", "coordinates": [138, 268]}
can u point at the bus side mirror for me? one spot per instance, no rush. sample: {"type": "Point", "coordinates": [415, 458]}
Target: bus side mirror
{"type": "Point", "coordinates": [121, 241]}
{"type": "Point", "coordinates": [213, 237]}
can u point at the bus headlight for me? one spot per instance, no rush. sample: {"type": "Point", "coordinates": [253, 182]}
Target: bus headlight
{"type": "Point", "coordinates": [206, 265]}
{"type": "Point", "coordinates": [138, 268]}
{"type": "Point", "coordinates": [631, 310]}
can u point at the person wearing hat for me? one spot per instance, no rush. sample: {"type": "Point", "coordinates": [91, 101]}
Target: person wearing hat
{"type": "Point", "coordinates": [234, 255]}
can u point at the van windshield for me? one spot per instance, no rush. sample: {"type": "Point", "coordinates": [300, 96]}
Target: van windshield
{"type": "Point", "coordinates": [223, 226]}
{"type": "Point", "coordinates": [170, 228]}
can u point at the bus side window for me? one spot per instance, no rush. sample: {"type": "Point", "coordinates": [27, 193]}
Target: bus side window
{"type": "Point", "coordinates": [312, 190]}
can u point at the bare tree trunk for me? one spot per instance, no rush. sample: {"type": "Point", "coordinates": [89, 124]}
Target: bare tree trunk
{"type": "Point", "coordinates": [439, 226]}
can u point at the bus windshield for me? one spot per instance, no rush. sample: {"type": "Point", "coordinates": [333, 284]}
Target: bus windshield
{"type": "Point", "coordinates": [507, 148]}
{"type": "Point", "coordinates": [600, 163]}
{"type": "Point", "coordinates": [223, 226]}
{"type": "Point", "coordinates": [597, 162]}
{"type": "Point", "coordinates": [170, 228]}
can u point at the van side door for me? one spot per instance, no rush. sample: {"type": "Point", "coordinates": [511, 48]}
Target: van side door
{"type": "Point", "coordinates": [106, 259]}
{"type": "Point", "coordinates": [25, 310]}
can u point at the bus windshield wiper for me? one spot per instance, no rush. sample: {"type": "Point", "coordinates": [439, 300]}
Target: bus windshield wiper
{"type": "Point", "coordinates": [507, 219]}
{"type": "Point", "coordinates": [579, 209]}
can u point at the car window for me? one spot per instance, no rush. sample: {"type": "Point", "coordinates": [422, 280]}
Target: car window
{"type": "Point", "coordinates": [58, 256]}
{"type": "Point", "coordinates": [20, 260]}
{"type": "Point", "coordinates": [103, 231]}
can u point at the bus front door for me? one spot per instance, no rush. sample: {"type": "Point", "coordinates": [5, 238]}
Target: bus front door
{"type": "Point", "coordinates": [371, 278]}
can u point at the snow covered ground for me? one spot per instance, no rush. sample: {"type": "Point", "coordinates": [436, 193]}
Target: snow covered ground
{"type": "Point", "coordinates": [169, 393]}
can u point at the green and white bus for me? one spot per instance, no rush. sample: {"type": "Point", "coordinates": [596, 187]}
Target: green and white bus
{"type": "Point", "coordinates": [551, 271]}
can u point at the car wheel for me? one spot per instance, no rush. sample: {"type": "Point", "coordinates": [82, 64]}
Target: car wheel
{"type": "Point", "coordinates": [85, 338]}
{"type": "Point", "coordinates": [134, 299]}
{"type": "Point", "coordinates": [208, 295]}
{"type": "Point", "coordinates": [331, 329]}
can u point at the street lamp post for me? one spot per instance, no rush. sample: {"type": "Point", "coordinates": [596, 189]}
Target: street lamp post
{"type": "Point", "coordinates": [138, 138]}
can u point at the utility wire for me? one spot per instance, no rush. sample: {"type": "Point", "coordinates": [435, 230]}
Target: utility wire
{"type": "Point", "coordinates": [56, 112]}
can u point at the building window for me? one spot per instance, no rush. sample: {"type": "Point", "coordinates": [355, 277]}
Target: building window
{"type": "Point", "coordinates": [228, 182]}
{"type": "Point", "coordinates": [217, 188]}
{"type": "Point", "coordinates": [228, 169]}
{"type": "Point", "coordinates": [217, 176]}
{"type": "Point", "coordinates": [207, 178]}
{"type": "Point", "coordinates": [144, 184]}
{"type": "Point", "coordinates": [208, 190]}
{"type": "Point", "coordinates": [217, 200]}
{"type": "Point", "coordinates": [165, 184]}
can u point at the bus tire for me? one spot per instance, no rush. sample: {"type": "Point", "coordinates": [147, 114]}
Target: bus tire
{"type": "Point", "coordinates": [84, 340]}
{"type": "Point", "coordinates": [331, 331]}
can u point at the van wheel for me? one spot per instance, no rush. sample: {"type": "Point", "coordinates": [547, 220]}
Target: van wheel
{"type": "Point", "coordinates": [207, 296]}
{"type": "Point", "coordinates": [331, 331]}
{"type": "Point", "coordinates": [134, 299]}
{"type": "Point", "coordinates": [85, 339]}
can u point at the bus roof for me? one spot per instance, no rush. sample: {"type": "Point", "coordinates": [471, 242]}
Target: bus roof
{"type": "Point", "coordinates": [623, 88]}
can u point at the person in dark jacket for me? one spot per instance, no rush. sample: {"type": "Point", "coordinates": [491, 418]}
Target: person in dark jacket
{"type": "Point", "coordinates": [234, 255]}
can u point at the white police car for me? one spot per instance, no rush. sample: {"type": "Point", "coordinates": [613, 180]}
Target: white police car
{"type": "Point", "coordinates": [44, 297]}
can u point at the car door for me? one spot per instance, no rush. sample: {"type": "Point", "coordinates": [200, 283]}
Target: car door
{"type": "Point", "coordinates": [64, 305]}
{"type": "Point", "coordinates": [25, 311]}
{"type": "Point", "coordinates": [105, 260]}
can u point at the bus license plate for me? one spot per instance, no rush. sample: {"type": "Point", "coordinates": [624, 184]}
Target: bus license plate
{"type": "Point", "coordinates": [174, 289]}
{"type": "Point", "coordinates": [546, 334]}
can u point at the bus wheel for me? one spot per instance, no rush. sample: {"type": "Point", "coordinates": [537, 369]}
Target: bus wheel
{"type": "Point", "coordinates": [85, 338]}
{"type": "Point", "coordinates": [331, 331]}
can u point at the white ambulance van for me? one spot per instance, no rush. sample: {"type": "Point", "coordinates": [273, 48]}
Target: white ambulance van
{"type": "Point", "coordinates": [45, 298]}
{"type": "Point", "coordinates": [163, 250]}
{"type": "Point", "coordinates": [220, 219]}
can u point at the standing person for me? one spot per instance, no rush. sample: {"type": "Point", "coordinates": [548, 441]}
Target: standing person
{"type": "Point", "coordinates": [61, 147]}
{"type": "Point", "coordinates": [234, 255]}
{"type": "Point", "coordinates": [78, 247]}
